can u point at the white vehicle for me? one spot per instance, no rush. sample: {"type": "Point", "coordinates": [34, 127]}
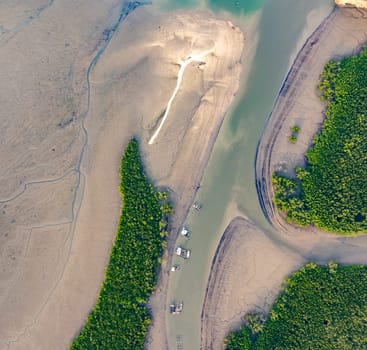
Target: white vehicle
{"type": "Point", "coordinates": [185, 232]}
{"type": "Point", "coordinates": [197, 206]}
{"type": "Point", "coordinates": [182, 252]}
{"type": "Point", "coordinates": [176, 308]}
{"type": "Point", "coordinates": [175, 267]}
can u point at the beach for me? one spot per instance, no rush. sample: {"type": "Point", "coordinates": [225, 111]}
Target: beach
{"type": "Point", "coordinates": [342, 33]}
{"type": "Point", "coordinates": [244, 274]}
{"type": "Point", "coordinates": [109, 72]}
{"type": "Point", "coordinates": [125, 79]}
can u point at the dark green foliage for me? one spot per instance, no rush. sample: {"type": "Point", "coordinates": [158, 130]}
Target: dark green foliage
{"type": "Point", "coordinates": [255, 323]}
{"type": "Point", "coordinates": [333, 187]}
{"type": "Point", "coordinates": [293, 138]}
{"type": "Point", "coordinates": [296, 129]}
{"type": "Point", "coordinates": [322, 307]}
{"type": "Point", "coordinates": [294, 135]}
{"type": "Point", "coordinates": [239, 340]}
{"type": "Point", "coordinates": [287, 199]}
{"type": "Point", "coordinates": [120, 318]}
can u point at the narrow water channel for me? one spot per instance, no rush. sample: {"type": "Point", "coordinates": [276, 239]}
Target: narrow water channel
{"type": "Point", "coordinates": [229, 179]}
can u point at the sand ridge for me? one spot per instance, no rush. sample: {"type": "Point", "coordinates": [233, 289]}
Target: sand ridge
{"type": "Point", "coordinates": [228, 296]}
{"type": "Point", "coordinates": [53, 253]}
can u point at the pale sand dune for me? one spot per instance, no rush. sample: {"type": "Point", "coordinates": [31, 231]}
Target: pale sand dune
{"type": "Point", "coordinates": [352, 3]}
{"type": "Point", "coordinates": [52, 255]}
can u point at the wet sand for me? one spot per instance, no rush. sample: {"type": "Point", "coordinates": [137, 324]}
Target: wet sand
{"type": "Point", "coordinates": [238, 282]}
{"type": "Point", "coordinates": [247, 272]}
{"type": "Point", "coordinates": [68, 112]}
{"type": "Point", "coordinates": [45, 54]}
{"type": "Point", "coordinates": [82, 109]}
{"type": "Point", "coordinates": [342, 33]}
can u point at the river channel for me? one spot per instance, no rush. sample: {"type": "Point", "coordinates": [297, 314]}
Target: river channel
{"type": "Point", "coordinates": [228, 186]}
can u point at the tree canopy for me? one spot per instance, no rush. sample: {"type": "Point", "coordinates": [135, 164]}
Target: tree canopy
{"type": "Point", "coordinates": [331, 191]}
{"type": "Point", "coordinates": [120, 318]}
{"type": "Point", "coordinates": [321, 307]}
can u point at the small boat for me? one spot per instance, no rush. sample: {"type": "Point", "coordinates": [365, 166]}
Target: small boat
{"type": "Point", "coordinates": [185, 232]}
{"type": "Point", "coordinates": [197, 206]}
{"type": "Point", "coordinates": [176, 308]}
{"type": "Point", "coordinates": [182, 252]}
{"type": "Point", "coordinates": [175, 267]}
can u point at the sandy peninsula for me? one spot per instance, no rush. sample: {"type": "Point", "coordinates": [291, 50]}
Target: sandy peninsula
{"type": "Point", "coordinates": [69, 109]}
{"type": "Point", "coordinates": [342, 33]}
{"type": "Point", "coordinates": [242, 280]}
{"type": "Point", "coordinates": [78, 81]}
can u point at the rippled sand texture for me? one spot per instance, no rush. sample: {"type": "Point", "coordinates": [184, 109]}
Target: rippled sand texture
{"type": "Point", "coordinates": [132, 85]}
{"type": "Point", "coordinates": [61, 147]}
{"type": "Point", "coordinates": [45, 50]}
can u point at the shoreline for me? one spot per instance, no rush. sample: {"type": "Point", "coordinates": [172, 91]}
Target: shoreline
{"type": "Point", "coordinates": [183, 189]}
{"type": "Point", "coordinates": [274, 122]}
{"type": "Point", "coordinates": [144, 62]}
{"type": "Point", "coordinates": [241, 281]}
{"type": "Point", "coordinates": [129, 86]}
{"type": "Point", "coordinates": [273, 153]}
{"type": "Point", "coordinates": [297, 99]}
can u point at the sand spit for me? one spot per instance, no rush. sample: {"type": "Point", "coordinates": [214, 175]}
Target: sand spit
{"type": "Point", "coordinates": [250, 265]}
{"type": "Point", "coordinates": [343, 32]}
{"type": "Point", "coordinates": [62, 144]}
{"type": "Point", "coordinates": [246, 275]}
{"type": "Point", "coordinates": [132, 85]}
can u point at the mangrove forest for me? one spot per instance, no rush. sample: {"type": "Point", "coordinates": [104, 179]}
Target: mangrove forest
{"type": "Point", "coordinates": [330, 192]}
{"type": "Point", "coordinates": [321, 307]}
{"type": "Point", "coordinates": [120, 318]}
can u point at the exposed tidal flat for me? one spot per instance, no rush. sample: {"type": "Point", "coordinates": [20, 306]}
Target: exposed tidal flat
{"type": "Point", "coordinates": [228, 188]}
{"type": "Point", "coordinates": [72, 106]}
{"type": "Point", "coordinates": [116, 82]}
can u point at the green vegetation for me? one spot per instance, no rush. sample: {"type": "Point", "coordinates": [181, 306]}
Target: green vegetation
{"type": "Point", "coordinates": [293, 138]}
{"type": "Point", "coordinates": [120, 318]}
{"type": "Point", "coordinates": [294, 135]}
{"type": "Point", "coordinates": [238, 340]}
{"type": "Point", "coordinates": [331, 191]}
{"type": "Point", "coordinates": [322, 307]}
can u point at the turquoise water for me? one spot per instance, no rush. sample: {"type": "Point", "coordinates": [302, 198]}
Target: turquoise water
{"type": "Point", "coordinates": [168, 5]}
{"type": "Point", "coordinates": [235, 7]}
